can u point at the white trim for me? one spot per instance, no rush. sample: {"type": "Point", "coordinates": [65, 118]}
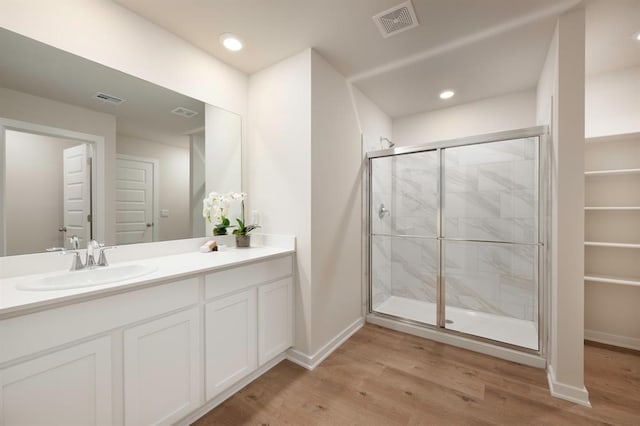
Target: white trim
{"type": "Point", "coordinates": [155, 230]}
{"type": "Point", "coordinates": [461, 342]}
{"type": "Point", "coordinates": [613, 339]}
{"type": "Point", "coordinates": [228, 393]}
{"type": "Point", "coordinates": [312, 361]}
{"type": "Point", "coordinates": [567, 392]}
{"type": "Point", "coordinates": [98, 171]}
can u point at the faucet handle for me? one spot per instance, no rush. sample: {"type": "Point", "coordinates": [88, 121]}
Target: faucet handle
{"type": "Point", "coordinates": [74, 241]}
{"type": "Point", "coordinates": [102, 260]}
{"type": "Point", "coordinates": [76, 263]}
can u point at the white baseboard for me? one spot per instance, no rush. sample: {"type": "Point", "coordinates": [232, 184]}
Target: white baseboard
{"type": "Point", "coordinates": [612, 339]}
{"type": "Point", "coordinates": [312, 361]}
{"type": "Point", "coordinates": [228, 393]}
{"type": "Point", "coordinates": [568, 392]}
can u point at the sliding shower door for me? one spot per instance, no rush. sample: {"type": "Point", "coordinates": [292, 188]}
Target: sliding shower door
{"type": "Point", "coordinates": [455, 239]}
{"type": "Point", "coordinates": [404, 235]}
{"type": "Point", "coordinates": [490, 240]}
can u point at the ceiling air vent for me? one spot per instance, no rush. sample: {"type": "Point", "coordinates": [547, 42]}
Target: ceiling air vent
{"type": "Point", "coordinates": [108, 98]}
{"type": "Point", "coordinates": [184, 112]}
{"type": "Point", "coordinates": [396, 20]}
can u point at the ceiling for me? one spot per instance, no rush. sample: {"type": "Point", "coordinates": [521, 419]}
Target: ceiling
{"type": "Point", "coordinates": [610, 27]}
{"type": "Point", "coordinates": [38, 69]}
{"type": "Point", "coordinates": [459, 44]}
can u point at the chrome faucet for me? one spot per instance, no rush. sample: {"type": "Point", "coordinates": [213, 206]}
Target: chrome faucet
{"type": "Point", "coordinates": [90, 259]}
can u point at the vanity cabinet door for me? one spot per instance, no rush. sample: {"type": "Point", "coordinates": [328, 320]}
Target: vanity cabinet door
{"type": "Point", "coordinates": [275, 324]}
{"type": "Point", "coordinates": [67, 387]}
{"type": "Point", "coordinates": [162, 374]}
{"type": "Point", "coordinates": [231, 340]}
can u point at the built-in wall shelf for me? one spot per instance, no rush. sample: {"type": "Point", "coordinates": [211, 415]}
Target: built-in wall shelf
{"type": "Point", "coordinates": [616, 172]}
{"type": "Point", "coordinates": [613, 138]}
{"type": "Point", "coordinates": [608, 279]}
{"type": "Point", "coordinates": [612, 208]}
{"type": "Point", "coordinates": [613, 245]}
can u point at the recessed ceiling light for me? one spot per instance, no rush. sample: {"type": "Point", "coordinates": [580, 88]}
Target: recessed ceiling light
{"type": "Point", "coordinates": [636, 36]}
{"type": "Point", "coordinates": [231, 41]}
{"type": "Point", "coordinates": [446, 94]}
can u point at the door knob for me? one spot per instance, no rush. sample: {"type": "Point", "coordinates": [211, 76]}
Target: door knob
{"type": "Point", "coordinates": [149, 225]}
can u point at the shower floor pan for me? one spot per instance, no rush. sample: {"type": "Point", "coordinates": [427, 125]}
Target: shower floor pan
{"type": "Point", "coordinates": [503, 329]}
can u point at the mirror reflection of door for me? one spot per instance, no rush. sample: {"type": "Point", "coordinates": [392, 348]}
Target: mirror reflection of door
{"type": "Point", "coordinates": [135, 188]}
{"type": "Point", "coordinates": [34, 214]}
{"type": "Point", "coordinates": [77, 193]}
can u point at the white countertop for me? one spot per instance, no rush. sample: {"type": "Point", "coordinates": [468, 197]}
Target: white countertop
{"type": "Point", "coordinates": [14, 301]}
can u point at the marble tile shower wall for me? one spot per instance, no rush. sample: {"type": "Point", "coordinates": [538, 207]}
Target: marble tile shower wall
{"type": "Point", "coordinates": [380, 244]}
{"type": "Point", "coordinates": [490, 193]}
{"type": "Point", "coordinates": [414, 202]}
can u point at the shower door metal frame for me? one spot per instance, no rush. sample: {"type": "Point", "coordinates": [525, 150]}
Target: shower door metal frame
{"type": "Point", "coordinates": [542, 163]}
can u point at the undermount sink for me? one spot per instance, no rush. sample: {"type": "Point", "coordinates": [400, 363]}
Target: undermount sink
{"type": "Point", "coordinates": [86, 278]}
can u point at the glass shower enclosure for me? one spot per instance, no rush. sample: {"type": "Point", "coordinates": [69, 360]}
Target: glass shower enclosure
{"type": "Point", "coordinates": [456, 236]}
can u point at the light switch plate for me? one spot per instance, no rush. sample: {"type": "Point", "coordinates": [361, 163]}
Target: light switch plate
{"type": "Point", "coordinates": [164, 213]}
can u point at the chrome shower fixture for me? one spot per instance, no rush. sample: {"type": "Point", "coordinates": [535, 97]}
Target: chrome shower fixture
{"type": "Point", "coordinates": [389, 143]}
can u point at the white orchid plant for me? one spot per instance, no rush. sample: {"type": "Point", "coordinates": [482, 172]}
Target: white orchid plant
{"type": "Point", "coordinates": [215, 208]}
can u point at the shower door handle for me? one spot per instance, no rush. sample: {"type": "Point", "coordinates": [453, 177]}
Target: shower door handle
{"type": "Point", "coordinates": [383, 211]}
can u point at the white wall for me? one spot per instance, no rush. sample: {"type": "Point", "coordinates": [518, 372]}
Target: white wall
{"type": "Point", "coordinates": [335, 205]}
{"type": "Point", "coordinates": [34, 179]}
{"type": "Point", "coordinates": [374, 123]}
{"type": "Point", "coordinates": [173, 194]}
{"type": "Point", "coordinates": [305, 160]}
{"type": "Point", "coordinates": [613, 103]}
{"type": "Point", "coordinates": [280, 162]}
{"type": "Point", "coordinates": [33, 109]}
{"type": "Point", "coordinates": [507, 112]}
{"type": "Point", "coordinates": [562, 80]}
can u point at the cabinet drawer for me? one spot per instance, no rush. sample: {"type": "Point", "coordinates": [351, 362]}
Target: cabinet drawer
{"type": "Point", "coordinates": [234, 279]}
{"type": "Point", "coordinates": [47, 329]}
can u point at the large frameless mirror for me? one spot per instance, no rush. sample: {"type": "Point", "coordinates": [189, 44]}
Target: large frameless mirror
{"type": "Point", "coordinates": [90, 151]}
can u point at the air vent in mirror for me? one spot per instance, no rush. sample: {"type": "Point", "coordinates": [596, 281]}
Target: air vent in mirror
{"type": "Point", "coordinates": [108, 98]}
{"type": "Point", "coordinates": [184, 112]}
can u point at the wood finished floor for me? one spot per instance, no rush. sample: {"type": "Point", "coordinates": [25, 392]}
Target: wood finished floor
{"type": "Point", "coordinates": [383, 377]}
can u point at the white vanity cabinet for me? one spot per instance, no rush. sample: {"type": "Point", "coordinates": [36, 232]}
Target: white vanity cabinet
{"type": "Point", "coordinates": [251, 326]}
{"type": "Point", "coordinates": [64, 365]}
{"type": "Point", "coordinates": [159, 353]}
{"type": "Point", "coordinates": [162, 373]}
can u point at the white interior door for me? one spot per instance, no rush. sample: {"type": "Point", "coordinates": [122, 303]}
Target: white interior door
{"type": "Point", "coordinates": [77, 192]}
{"type": "Point", "coordinates": [134, 200]}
